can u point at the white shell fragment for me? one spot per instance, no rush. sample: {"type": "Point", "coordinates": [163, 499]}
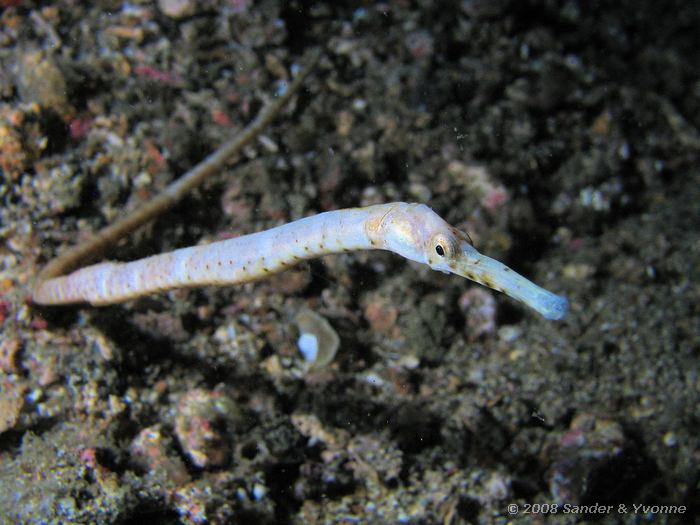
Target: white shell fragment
{"type": "Point", "coordinates": [308, 345]}
{"type": "Point", "coordinates": [318, 342]}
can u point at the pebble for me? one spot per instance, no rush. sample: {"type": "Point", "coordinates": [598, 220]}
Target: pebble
{"type": "Point", "coordinates": [381, 315]}
{"type": "Point", "coordinates": [259, 491]}
{"type": "Point", "coordinates": [177, 8]}
{"type": "Point", "coordinates": [670, 439]}
{"type": "Point", "coordinates": [509, 333]}
{"type": "Point", "coordinates": [9, 350]}
{"type": "Point", "coordinates": [41, 81]}
{"type": "Point", "coordinates": [578, 271]}
{"type": "Point", "coordinates": [203, 426]}
{"type": "Point", "coordinates": [592, 447]}
{"type": "Point", "coordinates": [480, 308]}
{"type": "Point", "coordinates": [479, 182]}
{"type": "Point", "coordinates": [11, 404]}
{"type": "Point", "coordinates": [150, 449]}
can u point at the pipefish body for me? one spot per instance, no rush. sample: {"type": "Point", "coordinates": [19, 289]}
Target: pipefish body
{"type": "Point", "coordinates": [413, 231]}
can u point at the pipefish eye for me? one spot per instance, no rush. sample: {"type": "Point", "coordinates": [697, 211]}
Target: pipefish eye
{"type": "Point", "coordinates": [442, 246]}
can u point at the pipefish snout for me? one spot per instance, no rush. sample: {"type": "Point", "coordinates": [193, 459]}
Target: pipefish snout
{"type": "Point", "coordinates": [413, 231]}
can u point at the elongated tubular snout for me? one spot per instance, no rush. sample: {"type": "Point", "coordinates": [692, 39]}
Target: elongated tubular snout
{"type": "Point", "coordinates": [496, 275]}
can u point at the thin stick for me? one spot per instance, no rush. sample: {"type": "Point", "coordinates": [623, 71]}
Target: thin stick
{"type": "Point", "coordinates": [106, 237]}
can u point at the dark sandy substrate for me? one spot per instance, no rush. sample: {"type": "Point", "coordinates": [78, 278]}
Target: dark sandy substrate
{"type": "Point", "coordinates": [562, 135]}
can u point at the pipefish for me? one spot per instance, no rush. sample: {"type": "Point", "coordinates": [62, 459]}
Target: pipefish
{"type": "Point", "coordinates": [413, 231]}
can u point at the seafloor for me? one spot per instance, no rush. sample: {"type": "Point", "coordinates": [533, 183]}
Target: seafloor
{"type": "Point", "coordinates": [563, 136]}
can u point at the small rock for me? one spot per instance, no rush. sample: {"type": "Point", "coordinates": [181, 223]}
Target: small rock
{"type": "Point", "coordinates": [11, 404]}
{"type": "Point", "coordinates": [578, 272]}
{"type": "Point", "coordinates": [177, 8]}
{"type": "Point", "coordinates": [9, 348]}
{"type": "Point", "coordinates": [13, 157]}
{"type": "Point", "coordinates": [480, 308]}
{"type": "Point", "coordinates": [381, 315]}
{"type": "Point", "coordinates": [371, 457]}
{"type": "Point", "coordinates": [203, 426]}
{"type": "Point", "coordinates": [594, 462]}
{"type": "Point", "coordinates": [310, 426]}
{"type": "Point", "coordinates": [41, 81]}
{"type": "Point", "coordinates": [479, 181]}
{"type": "Point", "coordinates": [150, 449]}
{"type": "Point", "coordinates": [509, 333]}
{"type": "Point", "coordinates": [670, 439]}
{"type": "Point", "coordinates": [364, 157]}
{"type": "Point", "coordinates": [420, 44]}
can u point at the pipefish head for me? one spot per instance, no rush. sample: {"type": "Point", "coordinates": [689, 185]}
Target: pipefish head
{"type": "Point", "coordinates": [419, 234]}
